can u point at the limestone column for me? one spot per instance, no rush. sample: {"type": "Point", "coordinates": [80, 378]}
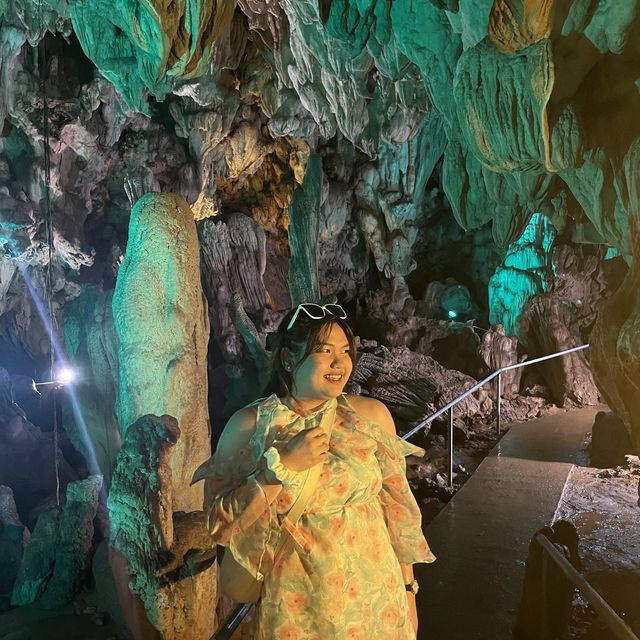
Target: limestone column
{"type": "Point", "coordinates": [163, 329]}
{"type": "Point", "coordinates": [162, 325]}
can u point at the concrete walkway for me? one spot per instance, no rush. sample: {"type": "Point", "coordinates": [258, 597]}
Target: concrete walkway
{"type": "Point", "coordinates": [482, 536]}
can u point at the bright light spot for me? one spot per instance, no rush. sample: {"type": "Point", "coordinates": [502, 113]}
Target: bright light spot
{"type": "Point", "coordinates": [451, 313]}
{"type": "Point", "coordinates": [64, 374]}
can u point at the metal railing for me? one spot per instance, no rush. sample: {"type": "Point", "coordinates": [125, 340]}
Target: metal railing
{"type": "Point", "coordinates": [618, 626]}
{"type": "Point", "coordinates": [496, 374]}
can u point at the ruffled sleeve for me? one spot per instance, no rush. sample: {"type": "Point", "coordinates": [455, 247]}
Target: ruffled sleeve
{"type": "Point", "coordinates": [400, 509]}
{"type": "Point", "coordinates": [240, 508]}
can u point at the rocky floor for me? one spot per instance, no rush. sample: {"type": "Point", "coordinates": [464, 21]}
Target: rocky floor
{"type": "Point", "coordinates": [603, 506]}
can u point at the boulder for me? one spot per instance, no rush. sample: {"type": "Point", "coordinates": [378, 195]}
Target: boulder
{"type": "Point", "coordinates": [610, 441]}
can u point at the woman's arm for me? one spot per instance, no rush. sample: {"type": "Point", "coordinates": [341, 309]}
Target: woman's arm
{"type": "Point", "coordinates": [234, 448]}
{"type": "Point", "coordinates": [237, 493]}
{"type": "Point", "coordinates": [376, 412]}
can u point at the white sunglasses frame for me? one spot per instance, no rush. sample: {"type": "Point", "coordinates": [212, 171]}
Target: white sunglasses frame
{"type": "Point", "coordinates": [325, 312]}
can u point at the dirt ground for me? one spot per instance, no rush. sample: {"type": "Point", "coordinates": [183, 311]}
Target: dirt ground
{"type": "Point", "coordinates": [603, 506]}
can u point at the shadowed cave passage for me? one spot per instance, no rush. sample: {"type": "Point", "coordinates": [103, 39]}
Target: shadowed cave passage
{"type": "Point", "coordinates": [174, 178]}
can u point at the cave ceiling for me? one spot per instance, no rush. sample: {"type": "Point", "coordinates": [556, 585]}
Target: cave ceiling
{"type": "Point", "coordinates": [508, 107]}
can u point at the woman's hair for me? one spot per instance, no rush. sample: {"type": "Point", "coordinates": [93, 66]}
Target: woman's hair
{"type": "Point", "coordinates": [301, 340]}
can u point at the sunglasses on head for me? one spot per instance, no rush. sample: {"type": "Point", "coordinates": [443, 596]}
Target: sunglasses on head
{"type": "Point", "coordinates": [318, 311]}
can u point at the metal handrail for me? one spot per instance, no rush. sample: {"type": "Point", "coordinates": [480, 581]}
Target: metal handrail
{"type": "Point", "coordinates": [620, 629]}
{"type": "Point", "coordinates": [496, 374]}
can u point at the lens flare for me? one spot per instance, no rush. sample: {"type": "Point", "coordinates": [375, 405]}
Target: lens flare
{"type": "Point", "coordinates": [63, 374]}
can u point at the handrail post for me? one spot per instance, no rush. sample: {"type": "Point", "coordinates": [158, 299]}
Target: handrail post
{"type": "Point", "coordinates": [498, 400]}
{"type": "Point", "coordinates": [618, 626]}
{"type": "Point", "coordinates": [451, 448]}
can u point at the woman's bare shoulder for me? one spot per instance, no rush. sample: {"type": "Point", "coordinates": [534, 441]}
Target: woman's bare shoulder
{"type": "Point", "coordinates": [374, 411]}
{"type": "Point", "coordinates": [239, 429]}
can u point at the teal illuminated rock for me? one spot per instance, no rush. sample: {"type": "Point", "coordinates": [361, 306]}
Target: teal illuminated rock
{"type": "Point", "coordinates": [525, 272]}
{"type": "Point", "coordinates": [163, 330]}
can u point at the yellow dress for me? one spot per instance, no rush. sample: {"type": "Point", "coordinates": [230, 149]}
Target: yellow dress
{"type": "Point", "coordinates": [341, 580]}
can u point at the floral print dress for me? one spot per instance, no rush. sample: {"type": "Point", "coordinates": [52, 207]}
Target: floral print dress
{"type": "Point", "coordinates": [341, 579]}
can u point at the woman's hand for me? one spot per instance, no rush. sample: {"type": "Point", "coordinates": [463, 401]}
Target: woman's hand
{"type": "Point", "coordinates": [305, 449]}
{"type": "Point", "coordinates": [413, 610]}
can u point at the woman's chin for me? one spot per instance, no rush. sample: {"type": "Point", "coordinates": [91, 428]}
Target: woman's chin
{"type": "Point", "coordinates": [333, 390]}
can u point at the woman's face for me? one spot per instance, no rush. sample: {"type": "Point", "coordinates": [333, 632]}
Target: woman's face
{"type": "Point", "coordinates": [324, 372]}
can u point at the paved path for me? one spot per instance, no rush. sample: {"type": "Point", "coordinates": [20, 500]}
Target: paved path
{"type": "Point", "coordinates": [482, 536]}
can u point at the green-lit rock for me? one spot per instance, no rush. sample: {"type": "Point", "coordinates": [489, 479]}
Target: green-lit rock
{"type": "Point", "coordinates": [304, 227]}
{"type": "Point", "coordinates": [73, 547]}
{"type": "Point", "coordinates": [501, 102]}
{"type": "Point", "coordinates": [163, 329]}
{"type": "Point", "coordinates": [38, 560]}
{"type": "Point", "coordinates": [525, 272]}
{"type": "Point", "coordinates": [142, 533]}
{"type": "Point", "coordinates": [92, 350]}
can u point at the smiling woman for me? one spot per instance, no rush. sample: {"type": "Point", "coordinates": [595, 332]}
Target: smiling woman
{"type": "Point", "coordinates": [346, 568]}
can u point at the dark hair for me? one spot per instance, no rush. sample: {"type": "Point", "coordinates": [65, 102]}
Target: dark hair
{"type": "Point", "coordinates": [301, 340]}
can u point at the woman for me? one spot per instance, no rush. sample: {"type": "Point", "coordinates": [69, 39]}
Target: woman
{"type": "Point", "coordinates": [349, 571]}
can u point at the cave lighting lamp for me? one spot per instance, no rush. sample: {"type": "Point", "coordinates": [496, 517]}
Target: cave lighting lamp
{"type": "Point", "coordinates": [64, 374]}
{"type": "Point", "coordinates": [452, 314]}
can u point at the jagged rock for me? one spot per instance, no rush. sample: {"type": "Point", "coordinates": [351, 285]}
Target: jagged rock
{"type": "Point", "coordinates": [523, 408]}
{"type": "Point", "coordinates": [563, 318]}
{"type": "Point", "coordinates": [166, 566]}
{"type": "Point", "coordinates": [162, 326]}
{"type": "Point", "coordinates": [141, 498]}
{"type": "Point", "coordinates": [57, 558]}
{"type": "Point", "coordinates": [413, 386]}
{"type": "Point", "coordinates": [38, 560]}
{"type": "Point", "coordinates": [498, 351]}
{"type": "Point", "coordinates": [13, 538]}
{"type": "Point", "coordinates": [545, 330]}
{"type": "Point", "coordinates": [74, 541]}
{"type": "Point", "coordinates": [234, 261]}
{"type": "Point", "coordinates": [610, 441]}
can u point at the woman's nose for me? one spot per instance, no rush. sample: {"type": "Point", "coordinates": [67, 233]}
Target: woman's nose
{"type": "Point", "coordinates": [338, 360]}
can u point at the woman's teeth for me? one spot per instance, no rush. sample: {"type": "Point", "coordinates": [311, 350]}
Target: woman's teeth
{"type": "Point", "coordinates": [334, 378]}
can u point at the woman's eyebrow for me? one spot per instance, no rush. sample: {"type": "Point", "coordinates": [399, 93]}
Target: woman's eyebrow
{"type": "Point", "coordinates": [332, 344]}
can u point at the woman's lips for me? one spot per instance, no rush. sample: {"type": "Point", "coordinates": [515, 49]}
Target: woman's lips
{"type": "Point", "coordinates": [334, 378]}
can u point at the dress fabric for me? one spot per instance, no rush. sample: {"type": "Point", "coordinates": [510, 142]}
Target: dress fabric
{"type": "Point", "coordinates": [341, 579]}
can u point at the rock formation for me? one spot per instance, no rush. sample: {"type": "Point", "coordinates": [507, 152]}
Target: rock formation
{"type": "Point", "coordinates": [163, 331]}
{"type": "Point", "coordinates": [166, 565]}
